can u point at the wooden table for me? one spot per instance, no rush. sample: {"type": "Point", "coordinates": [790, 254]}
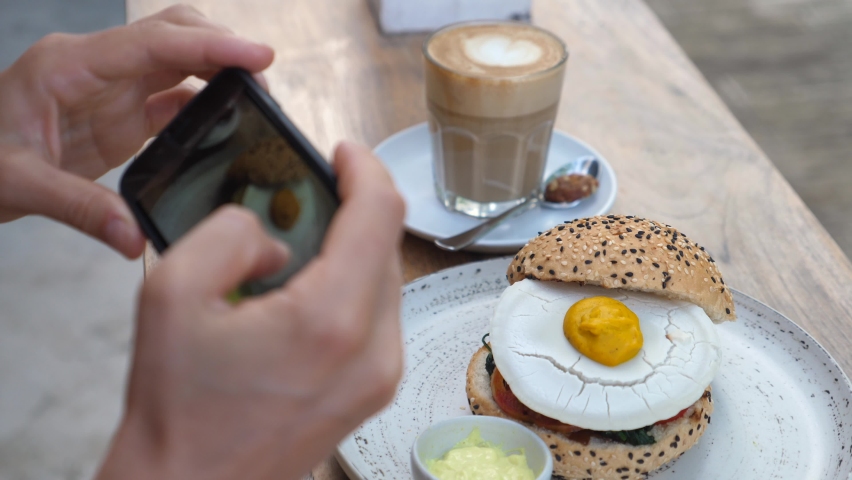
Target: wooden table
{"type": "Point", "coordinates": [680, 155]}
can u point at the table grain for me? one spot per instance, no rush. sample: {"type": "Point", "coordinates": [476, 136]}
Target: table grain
{"type": "Point", "coordinates": [681, 157]}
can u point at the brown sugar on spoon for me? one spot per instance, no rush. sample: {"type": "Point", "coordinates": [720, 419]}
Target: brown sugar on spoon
{"type": "Point", "coordinates": [570, 188]}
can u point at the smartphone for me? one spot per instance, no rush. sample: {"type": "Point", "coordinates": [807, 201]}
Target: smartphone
{"type": "Point", "coordinates": [233, 144]}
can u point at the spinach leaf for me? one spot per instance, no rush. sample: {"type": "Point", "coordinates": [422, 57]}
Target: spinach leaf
{"type": "Point", "coordinates": [489, 364]}
{"type": "Point", "coordinates": [640, 436]}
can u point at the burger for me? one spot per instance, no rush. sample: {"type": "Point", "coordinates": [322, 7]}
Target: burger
{"type": "Point", "coordinates": [605, 345]}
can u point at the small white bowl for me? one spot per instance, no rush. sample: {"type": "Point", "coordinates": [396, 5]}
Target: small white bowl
{"type": "Point", "coordinates": [440, 437]}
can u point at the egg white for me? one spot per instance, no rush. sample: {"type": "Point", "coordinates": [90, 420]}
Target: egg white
{"type": "Point", "coordinates": [677, 362]}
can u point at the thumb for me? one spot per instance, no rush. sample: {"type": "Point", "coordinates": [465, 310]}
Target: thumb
{"type": "Point", "coordinates": [224, 250]}
{"type": "Point", "coordinates": [34, 186]}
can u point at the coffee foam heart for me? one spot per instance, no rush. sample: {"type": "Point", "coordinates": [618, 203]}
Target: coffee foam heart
{"type": "Point", "coordinates": [508, 69]}
{"type": "Point", "coordinates": [501, 51]}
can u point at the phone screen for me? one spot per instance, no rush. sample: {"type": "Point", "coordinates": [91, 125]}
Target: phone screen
{"type": "Point", "coordinates": [242, 158]}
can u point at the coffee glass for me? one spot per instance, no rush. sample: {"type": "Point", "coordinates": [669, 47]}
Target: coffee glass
{"type": "Point", "coordinates": [492, 91]}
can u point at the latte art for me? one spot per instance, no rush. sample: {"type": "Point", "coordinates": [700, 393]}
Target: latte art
{"type": "Point", "coordinates": [501, 51]}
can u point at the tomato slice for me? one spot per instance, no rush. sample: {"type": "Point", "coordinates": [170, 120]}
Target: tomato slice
{"type": "Point", "coordinates": [676, 417]}
{"type": "Point", "coordinates": [511, 406]}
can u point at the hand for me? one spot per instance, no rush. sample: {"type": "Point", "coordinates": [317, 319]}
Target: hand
{"type": "Point", "coordinates": [266, 388]}
{"type": "Point", "coordinates": [76, 106]}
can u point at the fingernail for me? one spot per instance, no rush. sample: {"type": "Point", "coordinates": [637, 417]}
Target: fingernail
{"type": "Point", "coordinates": [119, 233]}
{"type": "Point", "coordinates": [283, 249]}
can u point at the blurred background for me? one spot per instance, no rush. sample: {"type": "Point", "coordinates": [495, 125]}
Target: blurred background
{"type": "Point", "coordinates": [784, 67]}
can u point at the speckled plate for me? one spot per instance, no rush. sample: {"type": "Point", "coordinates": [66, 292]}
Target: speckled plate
{"type": "Point", "coordinates": [782, 405]}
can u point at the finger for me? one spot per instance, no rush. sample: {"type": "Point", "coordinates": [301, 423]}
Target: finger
{"type": "Point", "coordinates": [368, 225]}
{"type": "Point", "coordinates": [187, 15]}
{"type": "Point", "coordinates": [162, 107]}
{"type": "Point", "coordinates": [221, 253]}
{"type": "Point", "coordinates": [148, 47]}
{"type": "Point", "coordinates": [41, 189]}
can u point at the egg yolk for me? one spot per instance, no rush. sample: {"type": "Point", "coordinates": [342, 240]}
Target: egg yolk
{"type": "Point", "coordinates": [604, 330]}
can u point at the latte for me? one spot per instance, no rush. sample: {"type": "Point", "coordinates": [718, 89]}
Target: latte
{"type": "Point", "coordinates": [492, 90]}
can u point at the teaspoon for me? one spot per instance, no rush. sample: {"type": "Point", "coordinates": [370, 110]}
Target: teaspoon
{"type": "Point", "coordinates": [587, 165]}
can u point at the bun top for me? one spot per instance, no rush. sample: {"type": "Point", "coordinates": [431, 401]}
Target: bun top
{"type": "Point", "coordinates": [626, 252]}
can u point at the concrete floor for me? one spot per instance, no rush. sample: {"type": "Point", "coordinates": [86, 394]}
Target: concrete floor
{"type": "Point", "coordinates": [66, 302]}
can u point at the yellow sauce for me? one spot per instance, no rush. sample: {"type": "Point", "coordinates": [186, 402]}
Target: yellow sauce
{"type": "Point", "coordinates": [474, 458]}
{"type": "Point", "coordinates": [604, 330]}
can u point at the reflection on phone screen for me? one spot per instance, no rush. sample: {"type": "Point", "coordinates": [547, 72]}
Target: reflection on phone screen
{"type": "Point", "coordinates": [244, 160]}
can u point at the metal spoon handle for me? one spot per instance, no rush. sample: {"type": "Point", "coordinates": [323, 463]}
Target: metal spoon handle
{"type": "Point", "coordinates": [458, 242]}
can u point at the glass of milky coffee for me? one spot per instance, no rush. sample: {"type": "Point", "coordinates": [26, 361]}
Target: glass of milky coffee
{"type": "Point", "coordinates": [492, 89]}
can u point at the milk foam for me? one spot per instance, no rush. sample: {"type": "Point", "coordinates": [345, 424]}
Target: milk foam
{"type": "Point", "coordinates": [501, 51]}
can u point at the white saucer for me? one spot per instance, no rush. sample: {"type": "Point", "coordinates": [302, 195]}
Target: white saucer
{"type": "Point", "coordinates": [408, 157]}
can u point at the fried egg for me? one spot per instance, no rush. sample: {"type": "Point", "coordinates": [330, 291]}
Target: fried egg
{"type": "Point", "coordinates": [679, 357]}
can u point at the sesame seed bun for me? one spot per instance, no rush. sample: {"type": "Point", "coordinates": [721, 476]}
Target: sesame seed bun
{"type": "Point", "coordinates": [601, 459]}
{"type": "Point", "coordinates": [631, 253]}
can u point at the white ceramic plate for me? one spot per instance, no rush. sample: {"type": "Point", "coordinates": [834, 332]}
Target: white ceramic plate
{"type": "Point", "coordinates": [782, 405]}
{"type": "Point", "coordinates": [408, 157]}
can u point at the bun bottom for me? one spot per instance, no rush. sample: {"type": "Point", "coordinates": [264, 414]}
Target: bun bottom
{"type": "Point", "coordinates": [601, 459]}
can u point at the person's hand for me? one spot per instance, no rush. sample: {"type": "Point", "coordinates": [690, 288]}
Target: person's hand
{"type": "Point", "coordinates": [76, 106]}
{"type": "Point", "coordinates": [265, 388]}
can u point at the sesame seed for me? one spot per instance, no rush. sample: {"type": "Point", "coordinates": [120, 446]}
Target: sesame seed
{"type": "Point", "coordinates": [629, 274]}
{"type": "Point", "coordinates": [540, 267]}
{"type": "Point", "coordinates": [588, 262]}
{"type": "Point", "coordinates": [575, 269]}
{"type": "Point", "coordinates": [623, 281]}
{"type": "Point", "coordinates": [638, 260]}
